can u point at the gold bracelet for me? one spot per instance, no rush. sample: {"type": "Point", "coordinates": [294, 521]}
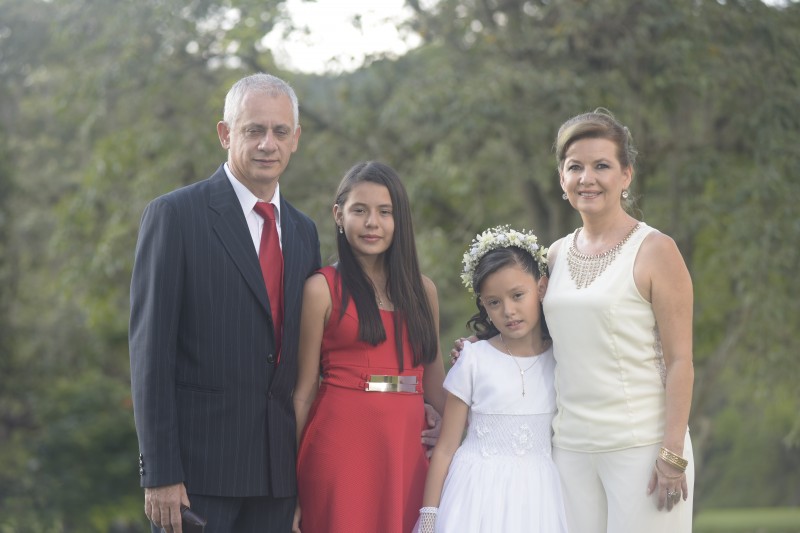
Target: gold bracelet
{"type": "Point", "coordinates": [672, 458]}
{"type": "Point", "coordinates": [662, 473]}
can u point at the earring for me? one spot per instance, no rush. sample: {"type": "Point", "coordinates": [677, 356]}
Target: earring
{"type": "Point", "coordinates": [625, 195]}
{"type": "Point", "coordinates": [564, 196]}
{"type": "Point", "coordinates": [341, 230]}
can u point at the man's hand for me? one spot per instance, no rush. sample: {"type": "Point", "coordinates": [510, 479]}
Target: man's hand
{"type": "Point", "coordinates": [431, 435]}
{"type": "Point", "coordinates": [162, 505]}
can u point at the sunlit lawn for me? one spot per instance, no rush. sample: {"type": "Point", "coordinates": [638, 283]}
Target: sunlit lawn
{"type": "Point", "coordinates": [766, 520]}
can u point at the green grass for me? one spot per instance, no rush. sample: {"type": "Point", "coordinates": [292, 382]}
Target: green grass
{"type": "Point", "coordinates": [756, 520]}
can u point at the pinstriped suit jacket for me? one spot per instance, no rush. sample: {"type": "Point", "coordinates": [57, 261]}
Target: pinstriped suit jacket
{"type": "Point", "coordinates": [210, 410]}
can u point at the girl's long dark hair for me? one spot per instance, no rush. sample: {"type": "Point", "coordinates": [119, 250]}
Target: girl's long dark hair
{"type": "Point", "coordinates": [403, 277]}
{"type": "Point", "coordinates": [489, 264]}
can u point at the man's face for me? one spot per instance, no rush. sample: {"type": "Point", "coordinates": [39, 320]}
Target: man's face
{"type": "Point", "coordinates": [261, 141]}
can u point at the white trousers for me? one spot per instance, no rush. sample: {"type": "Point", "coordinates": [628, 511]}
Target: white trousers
{"type": "Point", "coordinates": [606, 492]}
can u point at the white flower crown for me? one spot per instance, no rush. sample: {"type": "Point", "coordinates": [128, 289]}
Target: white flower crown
{"type": "Point", "coordinates": [500, 237]}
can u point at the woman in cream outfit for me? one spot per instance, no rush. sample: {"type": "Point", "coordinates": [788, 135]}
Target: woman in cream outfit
{"type": "Point", "coordinates": [619, 309]}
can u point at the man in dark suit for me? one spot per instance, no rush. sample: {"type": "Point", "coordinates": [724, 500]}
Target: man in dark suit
{"type": "Point", "coordinates": [212, 371]}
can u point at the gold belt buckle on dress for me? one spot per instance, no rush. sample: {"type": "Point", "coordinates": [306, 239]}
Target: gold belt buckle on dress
{"type": "Point", "coordinates": [379, 383]}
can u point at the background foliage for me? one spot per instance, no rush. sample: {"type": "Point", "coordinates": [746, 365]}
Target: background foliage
{"type": "Point", "coordinates": [105, 105]}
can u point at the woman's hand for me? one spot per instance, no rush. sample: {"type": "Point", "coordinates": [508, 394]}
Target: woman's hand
{"type": "Point", "coordinates": [458, 345]}
{"type": "Point", "coordinates": [670, 483]}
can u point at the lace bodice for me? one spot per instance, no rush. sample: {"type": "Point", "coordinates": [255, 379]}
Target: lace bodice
{"type": "Point", "coordinates": [512, 436]}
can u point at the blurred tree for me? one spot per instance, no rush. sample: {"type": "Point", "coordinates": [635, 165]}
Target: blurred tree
{"type": "Point", "coordinates": [97, 127]}
{"type": "Point", "coordinates": [708, 89]}
{"type": "Point", "coordinates": [105, 105]}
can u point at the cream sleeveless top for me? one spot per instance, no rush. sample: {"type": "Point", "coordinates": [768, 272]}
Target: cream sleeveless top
{"type": "Point", "coordinates": [610, 371]}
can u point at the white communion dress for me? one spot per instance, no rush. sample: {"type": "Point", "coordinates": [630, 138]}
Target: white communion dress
{"type": "Point", "coordinates": [502, 478]}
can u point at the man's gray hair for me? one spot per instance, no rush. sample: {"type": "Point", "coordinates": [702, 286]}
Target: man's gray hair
{"type": "Point", "coordinates": [263, 83]}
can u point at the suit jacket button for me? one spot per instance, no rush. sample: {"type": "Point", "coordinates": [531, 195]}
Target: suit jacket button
{"type": "Point", "coordinates": [271, 359]}
{"type": "Point", "coordinates": [141, 471]}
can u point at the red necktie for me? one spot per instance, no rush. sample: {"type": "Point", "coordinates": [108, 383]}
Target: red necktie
{"type": "Point", "coordinates": [271, 260]}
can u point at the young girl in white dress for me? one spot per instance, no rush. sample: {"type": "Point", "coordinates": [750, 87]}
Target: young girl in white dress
{"type": "Point", "coordinates": [502, 477]}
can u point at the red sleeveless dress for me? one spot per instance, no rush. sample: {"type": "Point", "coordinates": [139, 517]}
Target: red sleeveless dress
{"type": "Point", "coordinates": [361, 466]}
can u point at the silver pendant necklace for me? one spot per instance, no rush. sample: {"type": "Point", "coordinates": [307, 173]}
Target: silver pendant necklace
{"type": "Point", "coordinates": [521, 371]}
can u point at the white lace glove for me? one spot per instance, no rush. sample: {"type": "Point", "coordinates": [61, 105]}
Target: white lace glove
{"type": "Point", "coordinates": [427, 519]}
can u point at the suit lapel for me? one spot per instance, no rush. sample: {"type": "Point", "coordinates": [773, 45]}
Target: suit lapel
{"type": "Point", "coordinates": [231, 228]}
{"type": "Point", "coordinates": [291, 273]}
{"type": "Point", "coordinates": [294, 277]}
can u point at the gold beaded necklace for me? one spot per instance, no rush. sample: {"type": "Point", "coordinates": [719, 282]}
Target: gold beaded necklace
{"type": "Point", "coordinates": [584, 268]}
